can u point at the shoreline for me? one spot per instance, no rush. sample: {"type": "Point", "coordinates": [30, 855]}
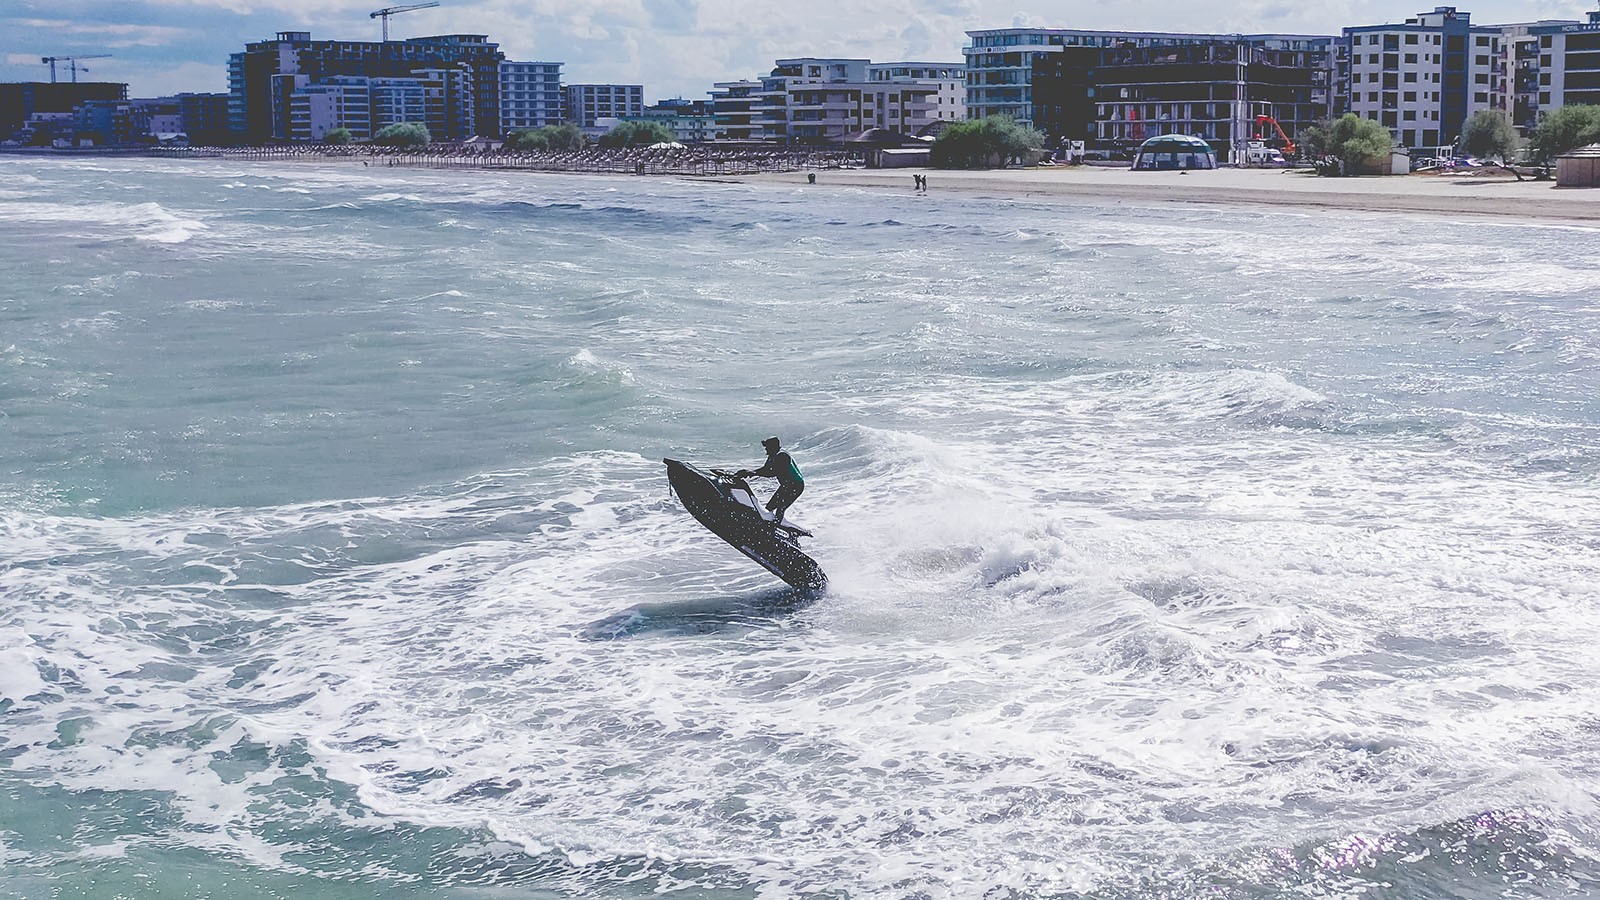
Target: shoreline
{"type": "Point", "coordinates": [1486, 197]}
{"type": "Point", "coordinates": [1490, 196]}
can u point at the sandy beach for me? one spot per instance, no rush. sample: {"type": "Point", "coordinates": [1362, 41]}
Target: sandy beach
{"type": "Point", "coordinates": [1493, 195]}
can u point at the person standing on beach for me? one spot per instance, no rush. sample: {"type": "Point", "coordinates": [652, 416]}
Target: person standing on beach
{"type": "Point", "coordinates": [781, 466]}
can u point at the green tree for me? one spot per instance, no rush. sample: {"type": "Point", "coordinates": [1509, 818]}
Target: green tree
{"type": "Point", "coordinates": [977, 143]}
{"type": "Point", "coordinates": [1566, 129]}
{"type": "Point", "coordinates": [1490, 135]}
{"type": "Point", "coordinates": [550, 137]}
{"type": "Point", "coordinates": [404, 134]}
{"type": "Point", "coordinates": [565, 137]}
{"type": "Point", "coordinates": [637, 134]}
{"type": "Point", "coordinates": [533, 140]}
{"type": "Point", "coordinates": [337, 136]}
{"type": "Point", "coordinates": [1346, 143]}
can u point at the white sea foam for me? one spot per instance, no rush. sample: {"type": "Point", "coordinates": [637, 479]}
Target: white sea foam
{"type": "Point", "coordinates": [1159, 566]}
{"type": "Point", "coordinates": [145, 221]}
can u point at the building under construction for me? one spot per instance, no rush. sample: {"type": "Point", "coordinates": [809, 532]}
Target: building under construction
{"type": "Point", "coordinates": [1223, 90]}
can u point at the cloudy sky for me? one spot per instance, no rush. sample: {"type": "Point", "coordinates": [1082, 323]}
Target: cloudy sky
{"type": "Point", "coordinates": [672, 47]}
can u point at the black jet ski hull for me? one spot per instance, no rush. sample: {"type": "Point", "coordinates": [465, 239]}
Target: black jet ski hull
{"type": "Point", "coordinates": [714, 501]}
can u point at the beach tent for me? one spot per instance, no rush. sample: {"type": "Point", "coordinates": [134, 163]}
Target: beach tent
{"type": "Point", "coordinates": [1172, 152]}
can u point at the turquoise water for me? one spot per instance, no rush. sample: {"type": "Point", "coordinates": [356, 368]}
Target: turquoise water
{"type": "Point", "coordinates": [1177, 552]}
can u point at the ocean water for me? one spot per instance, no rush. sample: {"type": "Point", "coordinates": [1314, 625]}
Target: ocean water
{"type": "Point", "coordinates": [1175, 552]}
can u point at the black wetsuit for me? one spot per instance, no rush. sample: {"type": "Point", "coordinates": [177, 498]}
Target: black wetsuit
{"type": "Point", "coordinates": [790, 483]}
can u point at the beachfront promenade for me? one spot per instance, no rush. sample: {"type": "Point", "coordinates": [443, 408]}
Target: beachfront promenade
{"type": "Point", "coordinates": [702, 160]}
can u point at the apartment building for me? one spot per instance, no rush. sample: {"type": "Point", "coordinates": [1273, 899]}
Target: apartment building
{"type": "Point", "coordinates": [22, 101]}
{"type": "Point", "coordinates": [1424, 78]}
{"type": "Point", "coordinates": [205, 116]}
{"type": "Point", "coordinates": [689, 120]}
{"type": "Point", "coordinates": [1002, 62]}
{"type": "Point", "coordinates": [810, 100]}
{"type": "Point", "coordinates": [1550, 64]}
{"type": "Point", "coordinates": [263, 78]}
{"type": "Point", "coordinates": [587, 103]}
{"type": "Point", "coordinates": [950, 79]}
{"type": "Point", "coordinates": [530, 96]}
{"type": "Point", "coordinates": [332, 103]}
{"type": "Point", "coordinates": [733, 110]}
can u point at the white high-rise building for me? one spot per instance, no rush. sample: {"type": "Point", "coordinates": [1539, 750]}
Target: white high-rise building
{"type": "Point", "coordinates": [733, 110]}
{"type": "Point", "coordinates": [1422, 79]}
{"type": "Point", "coordinates": [816, 100]}
{"type": "Point", "coordinates": [1550, 64]}
{"type": "Point", "coordinates": [587, 103]}
{"type": "Point", "coordinates": [950, 100]}
{"type": "Point", "coordinates": [530, 95]}
{"type": "Point", "coordinates": [341, 101]}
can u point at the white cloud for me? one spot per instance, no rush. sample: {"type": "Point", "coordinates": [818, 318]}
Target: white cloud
{"type": "Point", "coordinates": [112, 35]}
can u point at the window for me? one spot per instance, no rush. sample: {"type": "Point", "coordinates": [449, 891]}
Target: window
{"type": "Point", "coordinates": [1411, 59]}
{"type": "Point", "coordinates": [1409, 115]}
{"type": "Point", "coordinates": [1409, 96]}
{"type": "Point", "coordinates": [1480, 97]}
{"type": "Point", "coordinates": [1411, 39]}
{"type": "Point", "coordinates": [1411, 77]}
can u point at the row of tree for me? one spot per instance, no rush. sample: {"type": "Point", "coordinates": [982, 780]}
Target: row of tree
{"type": "Point", "coordinates": [1488, 134]}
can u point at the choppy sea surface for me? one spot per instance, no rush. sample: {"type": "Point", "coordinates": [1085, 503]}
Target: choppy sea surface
{"type": "Point", "coordinates": [1174, 552]}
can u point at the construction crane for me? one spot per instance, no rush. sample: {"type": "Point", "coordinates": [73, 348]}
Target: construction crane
{"type": "Point", "coordinates": [1262, 134]}
{"type": "Point", "coordinates": [388, 11]}
{"type": "Point", "coordinates": [72, 62]}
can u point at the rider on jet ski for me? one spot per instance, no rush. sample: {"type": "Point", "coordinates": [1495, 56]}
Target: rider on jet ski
{"type": "Point", "coordinates": [779, 465]}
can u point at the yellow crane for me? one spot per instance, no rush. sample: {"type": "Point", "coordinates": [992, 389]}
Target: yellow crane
{"type": "Point", "coordinates": [72, 62]}
{"type": "Point", "coordinates": [388, 11]}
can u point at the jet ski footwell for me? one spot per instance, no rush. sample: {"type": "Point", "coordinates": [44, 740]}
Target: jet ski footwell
{"type": "Point", "coordinates": [728, 508]}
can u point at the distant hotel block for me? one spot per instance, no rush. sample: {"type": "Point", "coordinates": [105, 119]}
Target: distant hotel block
{"type": "Point", "coordinates": [456, 76]}
{"type": "Point", "coordinates": [690, 120]}
{"type": "Point", "coordinates": [810, 100]}
{"type": "Point", "coordinates": [1118, 88]}
{"type": "Point", "coordinates": [1550, 64]}
{"type": "Point", "coordinates": [1423, 79]}
{"type": "Point", "coordinates": [589, 103]}
{"type": "Point", "coordinates": [530, 95]}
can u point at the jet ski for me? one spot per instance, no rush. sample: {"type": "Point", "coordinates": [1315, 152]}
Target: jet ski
{"type": "Point", "coordinates": [728, 508]}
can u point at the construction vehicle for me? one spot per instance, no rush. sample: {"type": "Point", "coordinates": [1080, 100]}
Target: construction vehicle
{"type": "Point", "coordinates": [1257, 153]}
{"type": "Point", "coordinates": [1264, 135]}
{"type": "Point", "coordinates": [72, 64]}
{"type": "Point", "coordinates": [388, 11]}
